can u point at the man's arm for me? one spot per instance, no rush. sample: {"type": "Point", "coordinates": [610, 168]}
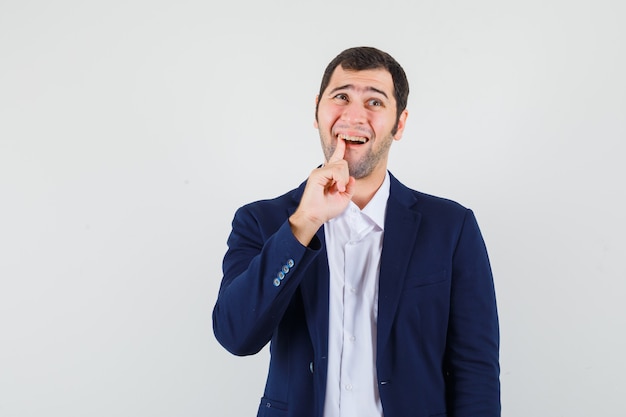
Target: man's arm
{"type": "Point", "coordinates": [251, 302]}
{"type": "Point", "coordinates": [262, 271]}
{"type": "Point", "coordinates": [472, 353]}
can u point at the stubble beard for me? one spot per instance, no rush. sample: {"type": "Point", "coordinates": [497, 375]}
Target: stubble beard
{"type": "Point", "coordinates": [365, 165]}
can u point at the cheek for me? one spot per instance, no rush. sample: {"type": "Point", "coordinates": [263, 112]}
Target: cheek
{"type": "Point", "coordinates": [383, 127]}
{"type": "Point", "coordinates": [328, 116]}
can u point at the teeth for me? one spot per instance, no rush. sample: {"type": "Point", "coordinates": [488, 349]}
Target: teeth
{"type": "Point", "coordinates": [357, 139]}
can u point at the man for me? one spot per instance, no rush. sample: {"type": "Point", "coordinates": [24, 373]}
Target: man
{"type": "Point", "coordinates": [377, 300]}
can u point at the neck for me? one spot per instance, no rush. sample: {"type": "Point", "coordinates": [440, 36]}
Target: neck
{"type": "Point", "coordinates": [366, 187]}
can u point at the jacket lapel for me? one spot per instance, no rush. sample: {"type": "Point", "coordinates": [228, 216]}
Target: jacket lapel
{"type": "Point", "coordinates": [401, 225]}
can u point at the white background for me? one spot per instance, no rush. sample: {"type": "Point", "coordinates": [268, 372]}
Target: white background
{"type": "Point", "coordinates": [130, 131]}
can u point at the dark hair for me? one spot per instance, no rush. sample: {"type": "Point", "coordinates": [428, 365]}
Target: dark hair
{"type": "Point", "coordinates": [367, 58]}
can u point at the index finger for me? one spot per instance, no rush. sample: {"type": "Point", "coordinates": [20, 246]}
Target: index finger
{"type": "Point", "coordinates": [340, 151]}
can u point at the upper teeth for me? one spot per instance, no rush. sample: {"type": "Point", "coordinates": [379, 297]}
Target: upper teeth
{"type": "Point", "coordinates": [359, 139]}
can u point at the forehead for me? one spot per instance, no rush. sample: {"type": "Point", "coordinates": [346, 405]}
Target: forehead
{"type": "Point", "coordinates": [365, 80]}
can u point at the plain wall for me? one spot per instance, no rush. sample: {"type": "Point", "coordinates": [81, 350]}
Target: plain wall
{"type": "Point", "coordinates": [130, 131]}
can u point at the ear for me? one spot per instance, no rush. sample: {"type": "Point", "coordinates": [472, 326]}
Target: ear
{"type": "Point", "coordinates": [317, 99]}
{"type": "Point", "coordinates": [401, 124]}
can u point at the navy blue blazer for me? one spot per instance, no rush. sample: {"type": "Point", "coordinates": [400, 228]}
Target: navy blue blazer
{"type": "Point", "coordinates": [437, 335]}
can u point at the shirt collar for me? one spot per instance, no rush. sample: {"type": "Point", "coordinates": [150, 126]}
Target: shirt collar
{"type": "Point", "coordinates": [377, 206]}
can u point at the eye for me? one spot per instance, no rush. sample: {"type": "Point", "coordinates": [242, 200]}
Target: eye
{"type": "Point", "coordinates": [341, 96]}
{"type": "Point", "coordinates": [375, 102]}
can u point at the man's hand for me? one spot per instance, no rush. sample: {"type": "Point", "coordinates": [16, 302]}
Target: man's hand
{"type": "Point", "coordinates": [328, 192]}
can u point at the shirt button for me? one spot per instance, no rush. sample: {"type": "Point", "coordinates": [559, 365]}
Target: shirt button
{"type": "Point", "coordinates": [349, 387]}
{"type": "Point", "coordinates": [352, 338]}
{"type": "Point", "coordinates": [353, 290]}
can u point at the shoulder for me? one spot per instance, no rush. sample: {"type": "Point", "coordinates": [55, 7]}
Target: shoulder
{"type": "Point", "coordinates": [423, 202]}
{"type": "Point", "coordinates": [272, 211]}
{"type": "Point", "coordinates": [284, 201]}
{"type": "Point", "coordinates": [439, 217]}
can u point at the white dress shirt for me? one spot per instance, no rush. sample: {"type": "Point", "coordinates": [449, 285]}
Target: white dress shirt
{"type": "Point", "coordinates": [354, 242]}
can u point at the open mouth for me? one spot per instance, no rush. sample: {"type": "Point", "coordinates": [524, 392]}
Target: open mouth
{"type": "Point", "coordinates": [356, 140]}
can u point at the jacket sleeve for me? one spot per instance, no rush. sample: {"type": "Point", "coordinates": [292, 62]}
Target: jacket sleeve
{"type": "Point", "coordinates": [472, 353]}
{"type": "Point", "coordinates": [262, 270]}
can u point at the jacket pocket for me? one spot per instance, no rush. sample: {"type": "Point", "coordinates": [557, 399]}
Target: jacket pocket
{"type": "Point", "coordinates": [272, 408]}
{"type": "Point", "coordinates": [425, 279]}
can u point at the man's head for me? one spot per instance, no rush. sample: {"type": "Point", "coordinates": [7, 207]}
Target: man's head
{"type": "Point", "coordinates": [362, 103]}
{"type": "Point", "coordinates": [366, 58]}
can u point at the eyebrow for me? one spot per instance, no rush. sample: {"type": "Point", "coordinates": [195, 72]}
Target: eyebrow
{"type": "Point", "coordinates": [351, 87]}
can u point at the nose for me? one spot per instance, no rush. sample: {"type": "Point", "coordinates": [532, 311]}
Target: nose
{"type": "Point", "coordinates": [354, 113]}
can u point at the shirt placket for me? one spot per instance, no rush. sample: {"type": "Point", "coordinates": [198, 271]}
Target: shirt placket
{"type": "Point", "coordinates": [353, 286]}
